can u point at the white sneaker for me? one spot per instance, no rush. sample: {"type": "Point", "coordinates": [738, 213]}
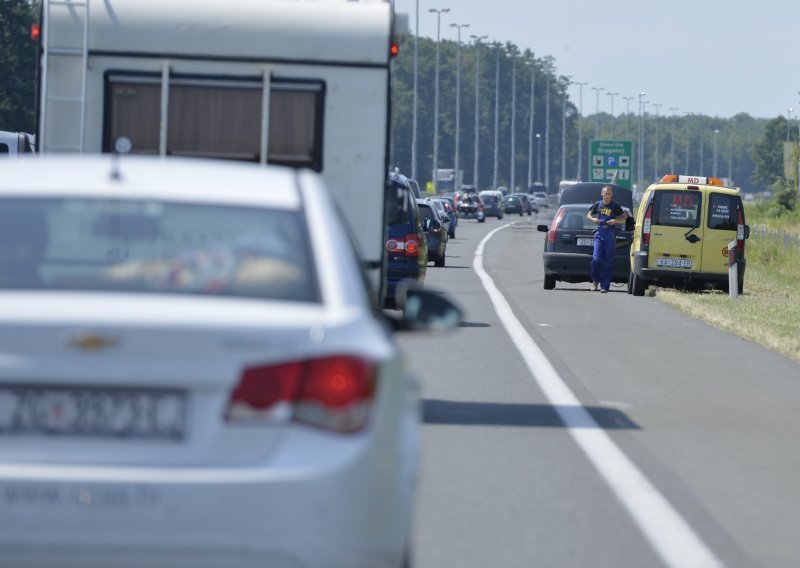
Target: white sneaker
{"type": "Point", "coordinates": [594, 286]}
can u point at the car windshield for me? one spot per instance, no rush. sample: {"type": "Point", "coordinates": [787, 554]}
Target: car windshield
{"type": "Point", "coordinates": [490, 199]}
{"type": "Point", "coordinates": [155, 247]}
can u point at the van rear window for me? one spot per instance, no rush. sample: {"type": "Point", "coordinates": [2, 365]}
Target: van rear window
{"type": "Point", "coordinates": [722, 211]}
{"type": "Point", "coordinates": [676, 208]}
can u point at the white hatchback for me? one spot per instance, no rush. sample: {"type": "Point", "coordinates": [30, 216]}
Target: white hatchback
{"type": "Point", "coordinates": [193, 373]}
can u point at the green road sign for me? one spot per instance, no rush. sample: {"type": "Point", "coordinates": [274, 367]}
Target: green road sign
{"type": "Point", "coordinates": [611, 161]}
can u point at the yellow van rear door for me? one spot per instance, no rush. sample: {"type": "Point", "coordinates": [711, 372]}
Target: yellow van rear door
{"type": "Point", "coordinates": [719, 229]}
{"type": "Point", "coordinates": [676, 240]}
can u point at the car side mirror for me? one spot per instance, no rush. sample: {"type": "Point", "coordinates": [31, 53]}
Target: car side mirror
{"type": "Point", "coordinates": [542, 228]}
{"type": "Point", "coordinates": [426, 310]}
{"type": "Point", "coordinates": [435, 224]}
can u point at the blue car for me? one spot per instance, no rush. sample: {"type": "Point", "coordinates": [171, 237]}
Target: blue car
{"type": "Point", "coordinates": [406, 244]}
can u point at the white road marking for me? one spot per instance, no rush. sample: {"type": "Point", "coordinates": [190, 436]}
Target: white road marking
{"type": "Point", "coordinates": [667, 532]}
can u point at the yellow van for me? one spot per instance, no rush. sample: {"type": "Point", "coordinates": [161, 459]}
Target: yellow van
{"type": "Point", "coordinates": [683, 228]}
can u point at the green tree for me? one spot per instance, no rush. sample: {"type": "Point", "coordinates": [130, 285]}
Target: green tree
{"type": "Point", "coordinates": [17, 66]}
{"type": "Point", "coordinates": [767, 153]}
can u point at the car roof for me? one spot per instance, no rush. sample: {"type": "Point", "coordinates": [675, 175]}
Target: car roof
{"type": "Point", "coordinates": [150, 177]}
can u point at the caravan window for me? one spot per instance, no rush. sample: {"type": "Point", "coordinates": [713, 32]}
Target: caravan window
{"type": "Point", "coordinates": [218, 118]}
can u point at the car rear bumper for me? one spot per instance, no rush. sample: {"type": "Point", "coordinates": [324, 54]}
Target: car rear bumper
{"type": "Point", "coordinates": [573, 267]}
{"type": "Point", "coordinates": [676, 276]}
{"type": "Point", "coordinates": [354, 514]}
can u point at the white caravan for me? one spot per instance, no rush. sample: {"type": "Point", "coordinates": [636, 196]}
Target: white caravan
{"type": "Point", "coordinates": [189, 78]}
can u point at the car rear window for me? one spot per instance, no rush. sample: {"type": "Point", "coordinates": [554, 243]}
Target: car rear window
{"type": "Point", "coordinates": [156, 247]}
{"type": "Point", "coordinates": [425, 213]}
{"type": "Point", "coordinates": [676, 208]}
{"type": "Point", "coordinates": [398, 205]}
{"type": "Point", "coordinates": [722, 211]}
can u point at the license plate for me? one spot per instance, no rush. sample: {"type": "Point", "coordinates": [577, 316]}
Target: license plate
{"type": "Point", "coordinates": [585, 242]}
{"type": "Point", "coordinates": [674, 262]}
{"type": "Point", "coordinates": [91, 412]}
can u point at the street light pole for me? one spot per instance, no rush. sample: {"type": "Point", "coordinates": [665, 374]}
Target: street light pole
{"type": "Point", "coordinates": [672, 141]}
{"type": "Point", "coordinates": [788, 122]}
{"type": "Point", "coordinates": [457, 158]}
{"type": "Point", "coordinates": [496, 113]}
{"type": "Point", "coordinates": [580, 130]}
{"type": "Point", "coordinates": [655, 165]}
{"type": "Point", "coordinates": [564, 128]}
{"type": "Point", "coordinates": [613, 118]}
{"type": "Point", "coordinates": [547, 133]}
{"type": "Point", "coordinates": [530, 126]}
{"type": "Point", "coordinates": [414, 113]}
{"type": "Point", "coordinates": [512, 187]}
{"type": "Point", "coordinates": [538, 157]}
{"type": "Point", "coordinates": [716, 135]}
{"type": "Point", "coordinates": [627, 117]}
{"type": "Point", "coordinates": [688, 141]}
{"type": "Point", "coordinates": [597, 111]}
{"type": "Point", "coordinates": [477, 40]}
{"type": "Point", "coordinates": [438, 13]}
{"type": "Point", "coordinates": [640, 169]}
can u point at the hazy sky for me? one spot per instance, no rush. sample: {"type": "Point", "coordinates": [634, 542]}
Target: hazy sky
{"type": "Point", "coordinates": [714, 57]}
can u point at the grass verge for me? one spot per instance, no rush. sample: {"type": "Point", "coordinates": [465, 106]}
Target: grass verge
{"type": "Point", "coordinates": [769, 310]}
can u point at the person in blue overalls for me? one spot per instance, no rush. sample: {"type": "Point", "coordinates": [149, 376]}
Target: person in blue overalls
{"type": "Point", "coordinates": [606, 213]}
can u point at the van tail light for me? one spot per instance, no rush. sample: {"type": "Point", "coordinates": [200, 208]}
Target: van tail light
{"type": "Point", "coordinates": [409, 246]}
{"type": "Point", "coordinates": [334, 393]}
{"type": "Point", "coordinates": [648, 216]}
{"type": "Point", "coordinates": [740, 234]}
{"type": "Point", "coordinates": [551, 234]}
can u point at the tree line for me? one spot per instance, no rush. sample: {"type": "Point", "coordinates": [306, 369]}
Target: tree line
{"type": "Point", "coordinates": [744, 148]}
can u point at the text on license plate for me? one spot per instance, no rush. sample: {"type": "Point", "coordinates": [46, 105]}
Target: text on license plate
{"type": "Point", "coordinates": [93, 412]}
{"type": "Point", "coordinates": [674, 262]}
{"type": "Point", "coordinates": [585, 242]}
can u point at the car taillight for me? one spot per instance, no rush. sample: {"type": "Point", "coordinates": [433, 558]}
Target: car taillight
{"type": "Point", "coordinates": [551, 234]}
{"type": "Point", "coordinates": [740, 234]}
{"type": "Point", "coordinates": [412, 244]}
{"type": "Point", "coordinates": [646, 226]}
{"type": "Point", "coordinates": [335, 393]}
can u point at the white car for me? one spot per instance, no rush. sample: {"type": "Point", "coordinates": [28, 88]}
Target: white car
{"type": "Point", "coordinates": [13, 144]}
{"type": "Point", "coordinates": [193, 373]}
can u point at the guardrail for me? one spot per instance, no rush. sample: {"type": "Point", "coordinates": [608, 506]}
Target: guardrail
{"type": "Point", "coordinates": [764, 232]}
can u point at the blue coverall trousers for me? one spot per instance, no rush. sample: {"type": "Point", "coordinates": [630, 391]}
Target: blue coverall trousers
{"type": "Point", "coordinates": [605, 246]}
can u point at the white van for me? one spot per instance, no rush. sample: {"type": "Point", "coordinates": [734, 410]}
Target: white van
{"type": "Point", "coordinates": [302, 84]}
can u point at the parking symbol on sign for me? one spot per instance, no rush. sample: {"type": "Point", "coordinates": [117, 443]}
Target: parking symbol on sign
{"type": "Point", "coordinates": [611, 161]}
{"type": "Point", "coordinates": [597, 160]}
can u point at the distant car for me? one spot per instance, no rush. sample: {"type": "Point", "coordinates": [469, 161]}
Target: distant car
{"type": "Point", "coordinates": [194, 371]}
{"type": "Point", "coordinates": [441, 209]}
{"type": "Point", "coordinates": [470, 206]}
{"type": "Point", "coordinates": [513, 204]}
{"type": "Point", "coordinates": [406, 245]}
{"type": "Point", "coordinates": [452, 216]}
{"type": "Point", "coordinates": [541, 198]}
{"type": "Point", "coordinates": [435, 232]}
{"type": "Point", "coordinates": [493, 203]}
{"type": "Point", "coordinates": [528, 204]}
{"type": "Point", "coordinates": [569, 246]}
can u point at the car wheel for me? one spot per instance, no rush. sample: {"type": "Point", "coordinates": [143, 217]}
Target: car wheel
{"type": "Point", "coordinates": [499, 217]}
{"type": "Point", "coordinates": [549, 281]}
{"type": "Point", "coordinates": [481, 219]}
{"type": "Point", "coordinates": [638, 285]}
{"type": "Point", "coordinates": [439, 260]}
{"type": "Point", "coordinates": [452, 234]}
{"type": "Point", "coordinates": [630, 282]}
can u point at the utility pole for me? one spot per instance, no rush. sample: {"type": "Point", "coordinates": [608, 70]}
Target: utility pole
{"type": "Point", "coordinates": [414, 112]}
{"type": "Point", "coordinates": [672, 141]}
{"type": "Point", "coordinates": [613, 118]}
{"type": "Point", "coordinates": [530, 125]}
{"type": "Point", "coordinates": [436, 99]}
{"type": "Point", "coordinates": [655, 165]}
{"type": "Point", "coordinates": [538, 157]}
{"type": "Point", "coordinates": [547, 133]}
{"type": "Point", "coordinates": [496, 113]}
{"type": "Point", "coordinates": [716, 136]}
{"type": "Point", "coordinates": [627, 117]}
{"type": "Point", "coordinates": [640, 169]}
{"type": "Point", "coordinates": [564, 127]}
{"type": "Point", "coordinates": [579, 169]}
{"type": "Point", "coordinates": [457, 158]}
{"type": "Point", "coordinates": [478, 40]}
{"type": "Point", "coordinates": [512, 187]}
{"type": "Point", "coordinates": [597, 91]}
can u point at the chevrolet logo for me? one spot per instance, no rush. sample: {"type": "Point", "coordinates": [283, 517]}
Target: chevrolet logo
{"type": "Point", "coordinates": [92, 341]}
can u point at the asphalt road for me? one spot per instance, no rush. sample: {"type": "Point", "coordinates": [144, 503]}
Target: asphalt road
{"type": "Point", "coordinates": [597, 430]}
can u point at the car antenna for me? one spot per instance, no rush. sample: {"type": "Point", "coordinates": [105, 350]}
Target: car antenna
{"type": "Point", "coordinates": [122, 145]}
